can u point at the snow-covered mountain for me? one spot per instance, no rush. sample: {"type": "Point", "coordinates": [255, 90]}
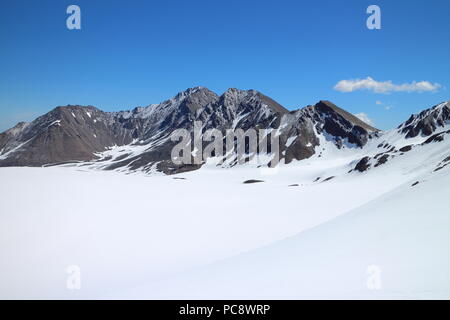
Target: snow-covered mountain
{"type": "Point", "coordinates": [139, 140]}
{"type": "Point", "coordinates": [313, 229]}
{"type": "Point", "coordinates": [346, 199]}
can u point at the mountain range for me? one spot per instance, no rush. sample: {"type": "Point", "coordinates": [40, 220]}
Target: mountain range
{"type": "Point", "coordinates": [139, 139]}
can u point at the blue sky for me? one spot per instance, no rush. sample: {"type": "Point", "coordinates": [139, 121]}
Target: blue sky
{"type": "Point", "coordinates": [134, 53]}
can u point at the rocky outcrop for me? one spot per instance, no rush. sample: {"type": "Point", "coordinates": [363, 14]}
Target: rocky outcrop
{"type": "Point", "coordinates": [426, 122]}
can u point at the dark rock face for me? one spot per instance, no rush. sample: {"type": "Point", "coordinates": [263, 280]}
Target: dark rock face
{"type": "Point", "coordinates": [252, 181]}
{"type": "Point", "coordinates": [382, 160]}
{"type": "Point", "coordinates": [363, 164]}
{"type": "Point", "coordinates": [438, 137]}
{"type": "Point", "coordinates": [440, 167]}
{"type": "Point", "coordinates": [427, 121]}
{"type": "Point", "coordinates": [443, 164]}
{"type": "Point", "coordinates": [301, 131]}
{"type": "Point", "coordinates": [339, 125]}
{"type": "Point", "coordinates": [81, 134]}
{"type": "Point", "coordinates": [406, 148]}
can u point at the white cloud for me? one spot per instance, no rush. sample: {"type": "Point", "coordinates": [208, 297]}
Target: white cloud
{"type": "Point", "coordinates": [385, 106]}
{"type": "Point", "coordinates": [362, 116]}
{"type": "Point", "coordinates": [384, 86]}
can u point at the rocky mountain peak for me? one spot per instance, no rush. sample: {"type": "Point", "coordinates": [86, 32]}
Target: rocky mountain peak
{"type": "Point", "coordinates": [427, 121]}
{"type": "Point", "coordinates": [198, 97]}
{"type": "Point", "coordinates": [338, 125]}
{"type": "Point", "coordinates": [330, 109]}
{"type": "Point", "coordinates": [245, 100]}
{"type": "Point", "coordinates": [195, 91]}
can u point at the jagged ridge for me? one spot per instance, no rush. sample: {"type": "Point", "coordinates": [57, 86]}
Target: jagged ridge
{"type": "Point", "coordinates": [77, 133]}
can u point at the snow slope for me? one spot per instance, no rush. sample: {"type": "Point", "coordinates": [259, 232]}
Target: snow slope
{"type": "Point", "coordinates": [205, 234]}
{"type": "Point", "coordinates": [404, 234]}
{"type": "Point", "coordinates": [124, 229]}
